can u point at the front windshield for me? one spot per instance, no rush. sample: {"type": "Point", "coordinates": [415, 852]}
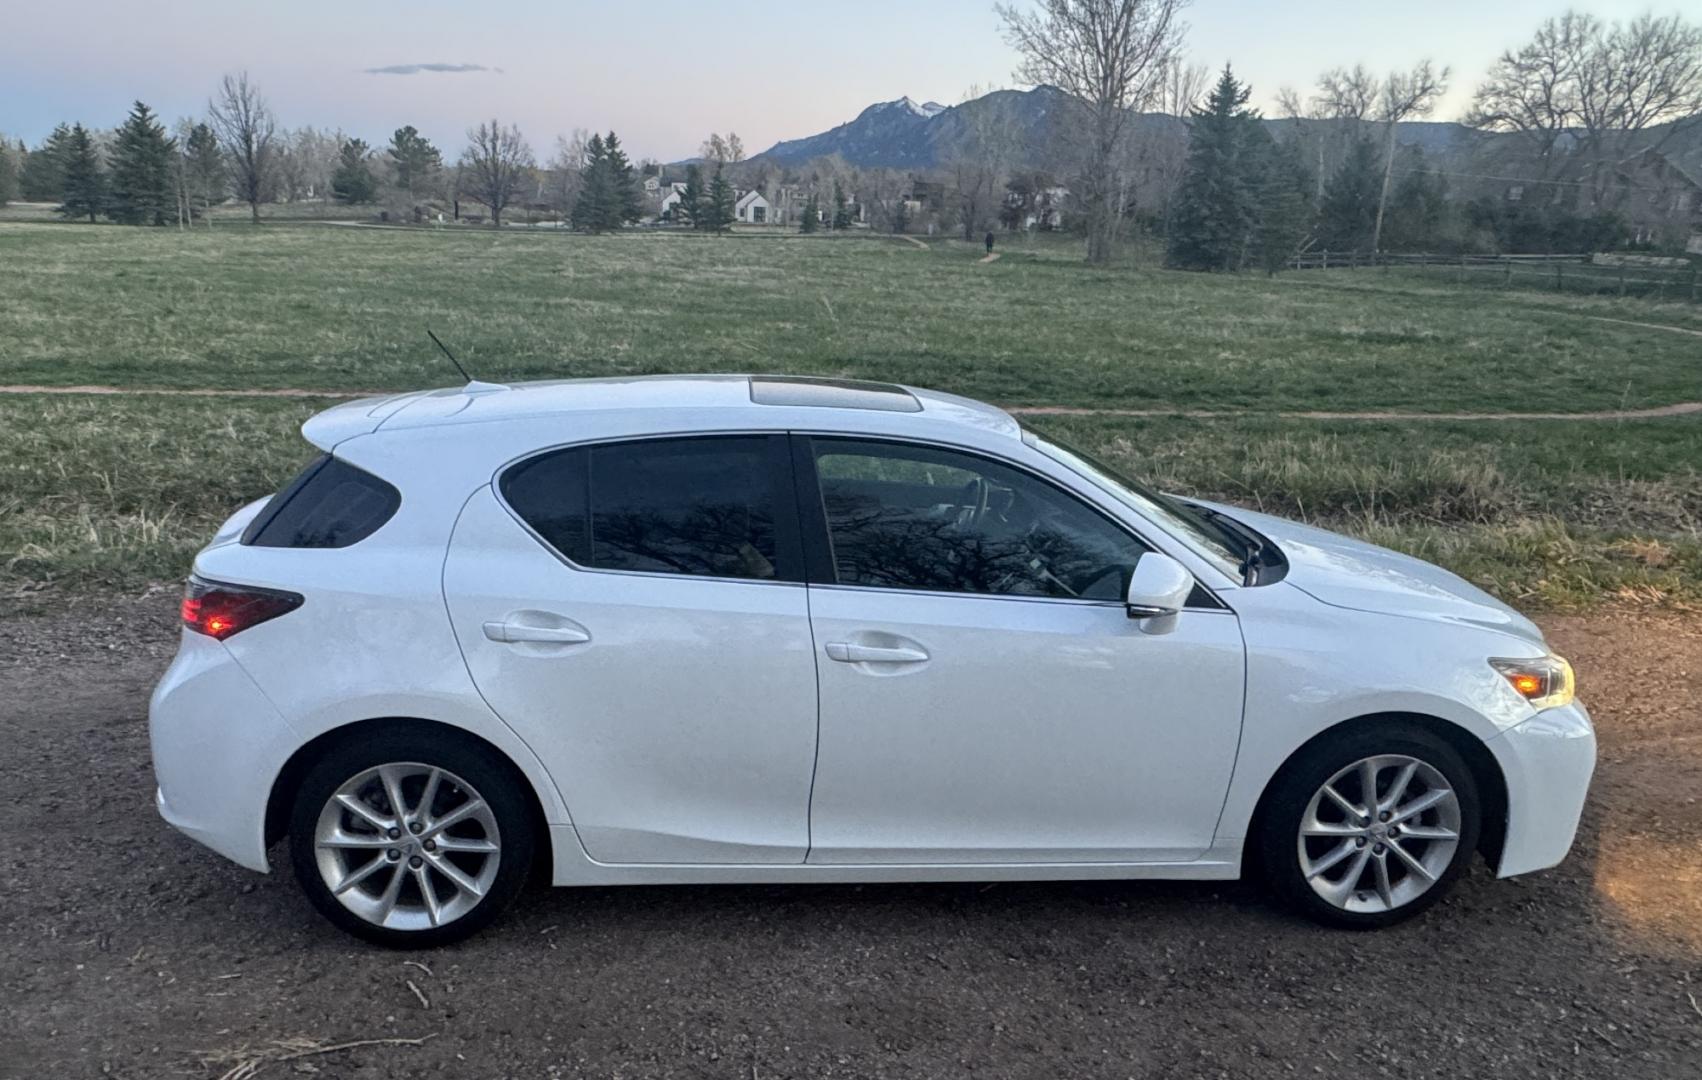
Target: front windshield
{"type": "Point", "coordinates": [1168, 512]}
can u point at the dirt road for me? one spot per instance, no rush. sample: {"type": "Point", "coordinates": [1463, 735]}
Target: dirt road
{"type": "Point", "coordinates": [126, 950]}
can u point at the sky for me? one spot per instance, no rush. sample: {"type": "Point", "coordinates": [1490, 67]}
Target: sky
{"type": "Point", "coordinates": [658, 72]}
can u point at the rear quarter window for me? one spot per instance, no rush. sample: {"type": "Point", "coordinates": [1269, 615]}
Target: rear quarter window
{"type": "Point", "coordinates": [331, 504]}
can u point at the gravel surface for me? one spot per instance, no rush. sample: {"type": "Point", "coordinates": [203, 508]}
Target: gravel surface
{"type": "Point", "coordinates": [127, 950]}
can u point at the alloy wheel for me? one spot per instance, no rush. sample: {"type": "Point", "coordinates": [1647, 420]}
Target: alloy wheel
{"type": "Point", "coordinates": [407, 846]}
{"type": "Point", "coordinates": [1379, 834]}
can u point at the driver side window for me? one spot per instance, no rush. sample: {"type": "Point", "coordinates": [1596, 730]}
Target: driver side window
{"type": "Point", "coordinates": [918, 517]}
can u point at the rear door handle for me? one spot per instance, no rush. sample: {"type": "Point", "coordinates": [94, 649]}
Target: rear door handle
{"type": "Point", "coordinates": [511, 631]}
{"type": "Point", "coordinates": [847, 652]}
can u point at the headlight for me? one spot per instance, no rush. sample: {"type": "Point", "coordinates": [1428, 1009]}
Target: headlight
{"type": "Point", "coordinates": [1546, 682]}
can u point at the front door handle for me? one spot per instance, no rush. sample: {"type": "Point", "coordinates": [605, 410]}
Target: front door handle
{"type": "Point", "coordinates": [848, 652]}
{"type": "Point", "coordinates": [511, 631]}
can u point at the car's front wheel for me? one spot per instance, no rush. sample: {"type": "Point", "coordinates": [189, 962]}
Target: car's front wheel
{"type": "Point", "coordinates": [1370, 827]}
{"type": "Point", "coordinates": [410, 840]}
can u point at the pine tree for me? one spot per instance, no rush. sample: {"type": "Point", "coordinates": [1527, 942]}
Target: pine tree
{"type": "Point", "coordinates": [204, 167]}
{"type": "Point", "coordinates": [1215, 204]}
{"type": "Point", "coordinates": [720, 205]}
{"type": "Point", "coordinates": [353, 181]}
{"type": "Point", "coordinates": [414, 159]}
{"type": "Point", "coordinates": [84, 191]}
{"type": "Point", "coordinates": [42, 178]}
{"type": "Point", "coordinates": [841, 211]}
{"type": "Point", "coordinates": [1348, 213]}
{"type": "Point", "coordinates": [1282, 189]}
{"type": "Point", "coordinates": [812, 215]}
{"type": "Point", "coordinates": [609, 196]}
{"type": "Point", "coordinates": [625, 202]}
{"type": "Point", "coordinates": [1420, 217]}
{"type": "Point", "coordinates": [8, 173]}
{"type": "Point", "coordinates": [689, 210]}
{"type": "Point", "coordinates": [143, 184]}
{"type": "Point", "coordinates": [587, 214]}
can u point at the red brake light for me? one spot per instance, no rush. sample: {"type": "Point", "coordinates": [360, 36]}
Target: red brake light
{"type": "Point", "coordinates": [220, 610]}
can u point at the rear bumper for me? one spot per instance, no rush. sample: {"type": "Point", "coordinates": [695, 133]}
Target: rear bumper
{"type": "Point", "coordinates": [218, 744]}
{"type": "Point", "coordinates": [1547, 761]}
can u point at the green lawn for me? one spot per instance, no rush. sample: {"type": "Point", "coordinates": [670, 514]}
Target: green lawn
{"type": "Point", "coordinates": [117, 492]}
{"type": "Point", "coordinates": [334, 307]}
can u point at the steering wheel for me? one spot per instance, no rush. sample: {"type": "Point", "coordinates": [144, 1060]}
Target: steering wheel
{"type": "Point", "coordinates": [975, 495]}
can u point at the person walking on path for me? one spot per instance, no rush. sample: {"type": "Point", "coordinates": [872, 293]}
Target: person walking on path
{"type": "Point", "coordinates": [989, 241]}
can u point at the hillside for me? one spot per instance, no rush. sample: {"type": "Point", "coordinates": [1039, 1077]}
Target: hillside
{"type": "Point", "coordinates": [905, 135]}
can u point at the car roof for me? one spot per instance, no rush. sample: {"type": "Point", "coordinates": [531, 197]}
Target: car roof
{"type": "Point", "coordinates": [756, 396]}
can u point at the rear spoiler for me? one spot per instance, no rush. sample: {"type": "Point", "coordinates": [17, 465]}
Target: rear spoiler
{"type": "Point", "coordinates": [360, 417]}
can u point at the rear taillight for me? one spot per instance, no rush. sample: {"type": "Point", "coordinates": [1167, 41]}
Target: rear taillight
{"type": "Point", "coordinates": [219, 610]}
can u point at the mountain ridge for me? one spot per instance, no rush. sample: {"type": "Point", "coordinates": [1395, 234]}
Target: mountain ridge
{"type": "Point", "coordinates": [902, 134]}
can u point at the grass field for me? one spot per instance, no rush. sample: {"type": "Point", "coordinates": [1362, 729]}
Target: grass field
{"type": "Point", "coordinates": [339, 308]}
{"type": "Point", "coordinates": [117, 492]}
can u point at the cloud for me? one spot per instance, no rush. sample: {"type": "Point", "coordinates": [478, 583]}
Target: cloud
{"type": "Point", "coordinates": [415, 69]}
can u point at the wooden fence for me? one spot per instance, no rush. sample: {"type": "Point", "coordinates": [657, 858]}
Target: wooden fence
{"type": "Point", "coordinates": [1629, 275]}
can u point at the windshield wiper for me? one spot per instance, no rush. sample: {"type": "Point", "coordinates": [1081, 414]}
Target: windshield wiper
{"type": "Point", "coordinates": [1252, 545]}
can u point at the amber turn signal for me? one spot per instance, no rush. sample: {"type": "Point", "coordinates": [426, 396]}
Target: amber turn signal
{"type": "Point", "coordinates": [1546, 682]}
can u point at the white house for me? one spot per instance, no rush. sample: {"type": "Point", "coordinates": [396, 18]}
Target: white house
{"type": "Point", "coordinates": [753, 208]}
{"type": "Point", "coordinates": [1048, 210]}
{"type": "Point", "coordinates": [672, 199]}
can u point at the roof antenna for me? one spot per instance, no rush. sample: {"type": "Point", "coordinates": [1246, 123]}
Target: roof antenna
{"type": "Point", "coordinates": [451, 356]}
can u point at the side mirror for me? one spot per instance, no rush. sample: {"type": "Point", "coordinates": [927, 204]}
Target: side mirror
{"type": "Point", "coordinates": [1158, 589]}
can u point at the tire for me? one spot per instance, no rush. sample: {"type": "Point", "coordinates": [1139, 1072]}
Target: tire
{"type": "Point", "coordinates": [477, 802]}
{"type": "Point", "coordinates": [1311, 873]}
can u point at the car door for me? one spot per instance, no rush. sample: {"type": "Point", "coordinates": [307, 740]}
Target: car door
{"type": "Point", "coordinates": [984, 695]}
{"type": "Point", "coordinates": [635, 610]}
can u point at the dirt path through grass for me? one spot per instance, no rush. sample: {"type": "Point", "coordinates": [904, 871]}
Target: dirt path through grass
{"type": "Point", "coordinates": [1644, 325]}
{"type": "Point", "coordinates": [1683, 408]}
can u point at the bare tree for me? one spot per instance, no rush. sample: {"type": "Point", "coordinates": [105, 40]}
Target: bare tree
{"type": "Point", "coordinates": [1650, 75]}
{"type": "Point", "coordinates": [1110, 57]}
{"type": "Point", "coordinates": [244, 124]}
{"type": "Point", "coordinates": [1307, 133]}
{"type": "Point", "coordinates": [1609, 89]}
{"type": "Point", "coordinates": [1182, 87]}
{"type": "Point", "coordinates": [1402, 96]}
{"type": "Point", "coordinates": [1160, 160]}
{"type": "Point", "coordinates": [1333, 119]}
{"type": "Point", "coordinates": [1347, 94]}
{"type": "Point", "coordinates": [1533, 91]}
{"type": "Point", "coordinates": [566, 169]}
{"type": "Point", "coordinates": [306, 158]}
{"type": "Point", "coordinates": [726, 149]}
{"type": "Point", "coordinates": [495, 165]}
{"type": "Point", "coordinates": [979, 157]}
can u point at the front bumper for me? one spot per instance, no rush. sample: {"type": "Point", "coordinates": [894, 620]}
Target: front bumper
{"type": "Point", "coordinates": [218, 744]}
{"type": "Point", "coordinates": [1547, 762]}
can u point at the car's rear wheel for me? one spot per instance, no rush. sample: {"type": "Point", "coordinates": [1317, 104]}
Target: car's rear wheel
{"type": "Point", "coordinates": [411, 841]}
{"type": "Point", "coordinates": [1370, 827]}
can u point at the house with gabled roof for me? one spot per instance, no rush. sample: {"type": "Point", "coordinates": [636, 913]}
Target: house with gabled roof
{"type": "Point", "coordinates": [752, 208]}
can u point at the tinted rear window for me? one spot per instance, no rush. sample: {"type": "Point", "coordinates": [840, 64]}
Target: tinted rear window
{"type": "Point", "coordinates": [331, 504]}
{"type": "Point", "coordinates": [703, 506]}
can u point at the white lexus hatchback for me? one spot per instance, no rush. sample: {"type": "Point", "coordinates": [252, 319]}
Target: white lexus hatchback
{"type": "Point", "coordinates": [754, 629]}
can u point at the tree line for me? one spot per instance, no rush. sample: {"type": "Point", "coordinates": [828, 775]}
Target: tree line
{"type": "Point", "coordinates": [1578, 98]}
{"type": "Point", "coordinates": [141, 174]}
{"type": "Point", "coordinates": [1224, 188]}
{"type": "Point", "coordinates": [1248, 200]}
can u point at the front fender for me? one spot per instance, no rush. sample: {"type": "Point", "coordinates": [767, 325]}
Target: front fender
{"type": "Point", "coordinates": [1311, 667]}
